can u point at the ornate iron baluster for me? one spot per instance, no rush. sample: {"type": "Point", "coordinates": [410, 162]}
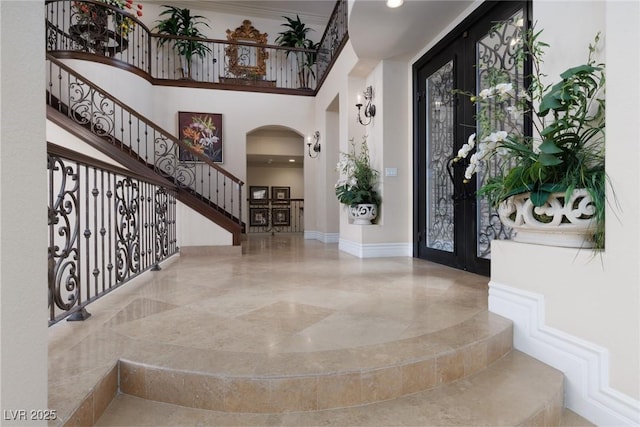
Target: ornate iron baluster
{"type": "Point", "coordinates": [64, 221]}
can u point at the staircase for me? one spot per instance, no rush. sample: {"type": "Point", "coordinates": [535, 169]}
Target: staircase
{"type": "Point", "coordinates": [464, 375]}
{"type": "Point", "coordinates": [110, 126]}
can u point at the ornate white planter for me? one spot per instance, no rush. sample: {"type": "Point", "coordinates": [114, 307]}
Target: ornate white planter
{"type": "Point", "coordinates": [363, 214]}
{"type": "Point", "coordinates": [568, 223]}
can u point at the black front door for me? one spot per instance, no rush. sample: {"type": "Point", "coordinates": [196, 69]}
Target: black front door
{"type": "Point", "coordinates": [452, 226]}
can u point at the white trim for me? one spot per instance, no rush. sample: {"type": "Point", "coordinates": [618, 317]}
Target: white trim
{"type": "Point", "coordinates": [584, 364]}
{"type": "Point", "coordinates": [323, 237]}
{"type": "Point", "coordinates": [376, 250]}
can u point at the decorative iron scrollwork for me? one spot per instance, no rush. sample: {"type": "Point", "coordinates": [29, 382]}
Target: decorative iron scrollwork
{"type": "Point", "coordinates": [127, 199]}
{"type": "Point", "coordinates": [497, 50]}
{"type": "Point", "coordinates": [64, 229]}
{"type": "Point", "coordinates": [440, 188]}
{"type": "Point", "coordinates": [161, 207]}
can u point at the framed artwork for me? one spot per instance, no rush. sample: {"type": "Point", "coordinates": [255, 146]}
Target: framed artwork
{"type": "Point", "coordinates": [280, 195]}
{"type": "Point", "coordinates": [203, 133]}
{"type": "Point", "coordinates": [258, 195]}
{"type": "Point", "coordinates": [258, 217]}
{"type": "Point", "coordinates": [281, 217]}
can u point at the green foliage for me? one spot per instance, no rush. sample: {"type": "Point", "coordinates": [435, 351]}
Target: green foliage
{"type": "Point", "coordinates": [296, 36]}
{"type": "Point", "coordinates": [567, 149]}
{"type": "Point", "coordinates": [356, 185]}
{"type": "Point", "coordinates": [179, 22]}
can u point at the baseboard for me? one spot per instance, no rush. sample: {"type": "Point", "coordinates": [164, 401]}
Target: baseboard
{"type": "Point", "coordinates": [584, 364]}
{"type": "Point", "coordinates": [323, 237]}
{"type": "Point", "coordinates": [375, 250]}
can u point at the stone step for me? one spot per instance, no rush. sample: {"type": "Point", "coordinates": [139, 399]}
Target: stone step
{"type": "Point", "coordinates": [309, 381]}
{"type": "Point", "coordinates": [513, 391]}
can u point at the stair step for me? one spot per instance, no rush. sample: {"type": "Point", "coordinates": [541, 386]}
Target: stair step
{"type": "Point", "coordinates": [515, 390]}
{"type": "Point", "coordinates": [301, 381]}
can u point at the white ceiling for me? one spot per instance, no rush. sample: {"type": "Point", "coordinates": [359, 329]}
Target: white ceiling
{"type": "Point", "coordinates": [377, 32]}
{"type": "Point", "coordinates": [312, 12]}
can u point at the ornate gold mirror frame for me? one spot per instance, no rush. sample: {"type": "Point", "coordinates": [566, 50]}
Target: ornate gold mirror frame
{"type": "Point", "coordinates": [240, 58]}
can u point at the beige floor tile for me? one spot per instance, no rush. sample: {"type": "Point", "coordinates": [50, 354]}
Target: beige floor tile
{"type": "Point", "coordinates": [287, 312]}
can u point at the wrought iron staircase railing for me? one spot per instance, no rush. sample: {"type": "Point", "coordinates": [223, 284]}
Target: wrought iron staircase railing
{"type": "Point", "coordinates": [136, 141]}
{"type": "Point", "coordinates": [71, 31]}
{"type": "Point", "coordinates": [107, 225]}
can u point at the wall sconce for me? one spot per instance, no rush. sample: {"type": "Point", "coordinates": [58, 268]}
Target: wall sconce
{"type": "Point", "coordinates": [369, 109]}
{"type": "Point", "coordinates": [316, 144]}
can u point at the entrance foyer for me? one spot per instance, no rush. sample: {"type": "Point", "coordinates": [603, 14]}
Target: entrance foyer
{"type": "Point", "coordinates": [296, 332]}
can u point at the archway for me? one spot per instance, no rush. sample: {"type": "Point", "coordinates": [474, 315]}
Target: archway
{"type": "Point", "coordinates": [275, 180]}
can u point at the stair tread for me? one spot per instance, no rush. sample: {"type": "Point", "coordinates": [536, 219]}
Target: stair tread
{"type": "Point", "coordinates": [479, 327]}
{"type": "Point", "coordinates": [515, 390]}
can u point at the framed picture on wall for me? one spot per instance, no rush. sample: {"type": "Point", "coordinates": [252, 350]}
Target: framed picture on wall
{"type": "Point", "coordinates": [202, 132]}
{"type": "Point", "coordinates": [258, 195]}
{"type": "Point", "coordinates": [258, 217]}
{"type": "Point", "coordinates": [280, 195]}
{"type": "Point", "coordinates": [281, 217]}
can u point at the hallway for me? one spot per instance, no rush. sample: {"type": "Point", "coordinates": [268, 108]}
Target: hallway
{"type": "Point", "coordinates": [292, 325]}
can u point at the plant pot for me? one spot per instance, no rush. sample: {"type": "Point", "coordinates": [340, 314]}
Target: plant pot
{"type": "Point", "coordinates": [566, 223]}
{"type": "Point", "coordinates": [363, 214]}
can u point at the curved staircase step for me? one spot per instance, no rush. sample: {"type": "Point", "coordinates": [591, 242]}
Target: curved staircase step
{"type": "Point", "coordinates": [304, 381]}
{"type": "Point", "coordinates": [515, 390]}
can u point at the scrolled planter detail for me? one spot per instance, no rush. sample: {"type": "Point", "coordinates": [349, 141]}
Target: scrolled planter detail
{"type": "Point", "coordinates": [566, 223]}
{"type": "Point", "coordinates": [363, 214]}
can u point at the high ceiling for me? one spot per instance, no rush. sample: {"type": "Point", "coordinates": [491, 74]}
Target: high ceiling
{"type": "Point", "coordinates": [314, 12]}
{"type": "Point", "coordinates": [376, 31]}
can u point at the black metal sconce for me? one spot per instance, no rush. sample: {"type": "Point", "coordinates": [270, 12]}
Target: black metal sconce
{"type": "Point", "coordinates": [316, 144]}
{"type": "Point", "coordinates": [369, 108]}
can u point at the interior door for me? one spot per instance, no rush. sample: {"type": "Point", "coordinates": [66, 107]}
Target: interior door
{"type": "Point", "coordinates": [452, 226]}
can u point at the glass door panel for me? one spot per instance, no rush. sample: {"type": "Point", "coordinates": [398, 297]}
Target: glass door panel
{"type": "Point", "coordinates": [439, 119]}
{"type": "Point", "coordinates": [498, 50]}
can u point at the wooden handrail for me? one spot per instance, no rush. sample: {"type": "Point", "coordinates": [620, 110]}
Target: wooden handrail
{"type": "Point", "coordinates": [69, 154]}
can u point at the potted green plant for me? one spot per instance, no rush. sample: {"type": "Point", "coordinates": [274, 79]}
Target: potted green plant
{"type": "Point", "coordinates": [356, 186]}
{"type": "Point", "coordinates": [181, 23]}
{"type": "Point", "coordinates": [296, 36]}
{"type": "Point", "coordinates": [555, 176]}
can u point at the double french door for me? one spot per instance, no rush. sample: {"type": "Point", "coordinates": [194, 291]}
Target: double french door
{"type": "Point", "coordinates": [452, 226]}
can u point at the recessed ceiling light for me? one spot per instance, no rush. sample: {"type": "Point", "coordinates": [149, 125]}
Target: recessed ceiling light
{"type": "Point", "coordinates": [292, 160]}
{"type": "Point", "coordinates": [394, 3]}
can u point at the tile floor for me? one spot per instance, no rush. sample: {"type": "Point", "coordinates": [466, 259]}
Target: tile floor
{"type": "Point", "coordinates": [285, 299]}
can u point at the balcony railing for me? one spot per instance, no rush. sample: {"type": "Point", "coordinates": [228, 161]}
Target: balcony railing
{"type": "Point", "coordinates": [276, 216]}
{"type": "Point", "coordinates": [81, 27]}
{"type": "Point", "coordinates": [106, 226]}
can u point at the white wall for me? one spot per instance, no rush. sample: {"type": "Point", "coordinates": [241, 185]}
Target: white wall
{"type": "Point", "coordinates": [60, 136]}
{"type": "Point", "coordinates": [194, 229]}
{"type": "Point", "coordinates": [278, 177]}
{"type": "Point", "coordinates": [242, 113]}
{"type": "Point", "coordinates": [125, 86]}
{"type": "Point", "coordinates": [593, 299]}
{"type": "Point", "coordinates": [389, 145]}
{"type": "Point", "coordinates": [23, 229]}
{"type": "Point", "coordinates": [220, 22]}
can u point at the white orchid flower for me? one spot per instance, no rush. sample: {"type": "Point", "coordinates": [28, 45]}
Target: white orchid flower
{"type": "Point", "coordinates": [504, 88]}
{"type": "Point", "coordinates": [471, 169]}
{"type": "Point", "coordinates": [501, 135]}
{"type": "Point", "coordinates": [486, 93]}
